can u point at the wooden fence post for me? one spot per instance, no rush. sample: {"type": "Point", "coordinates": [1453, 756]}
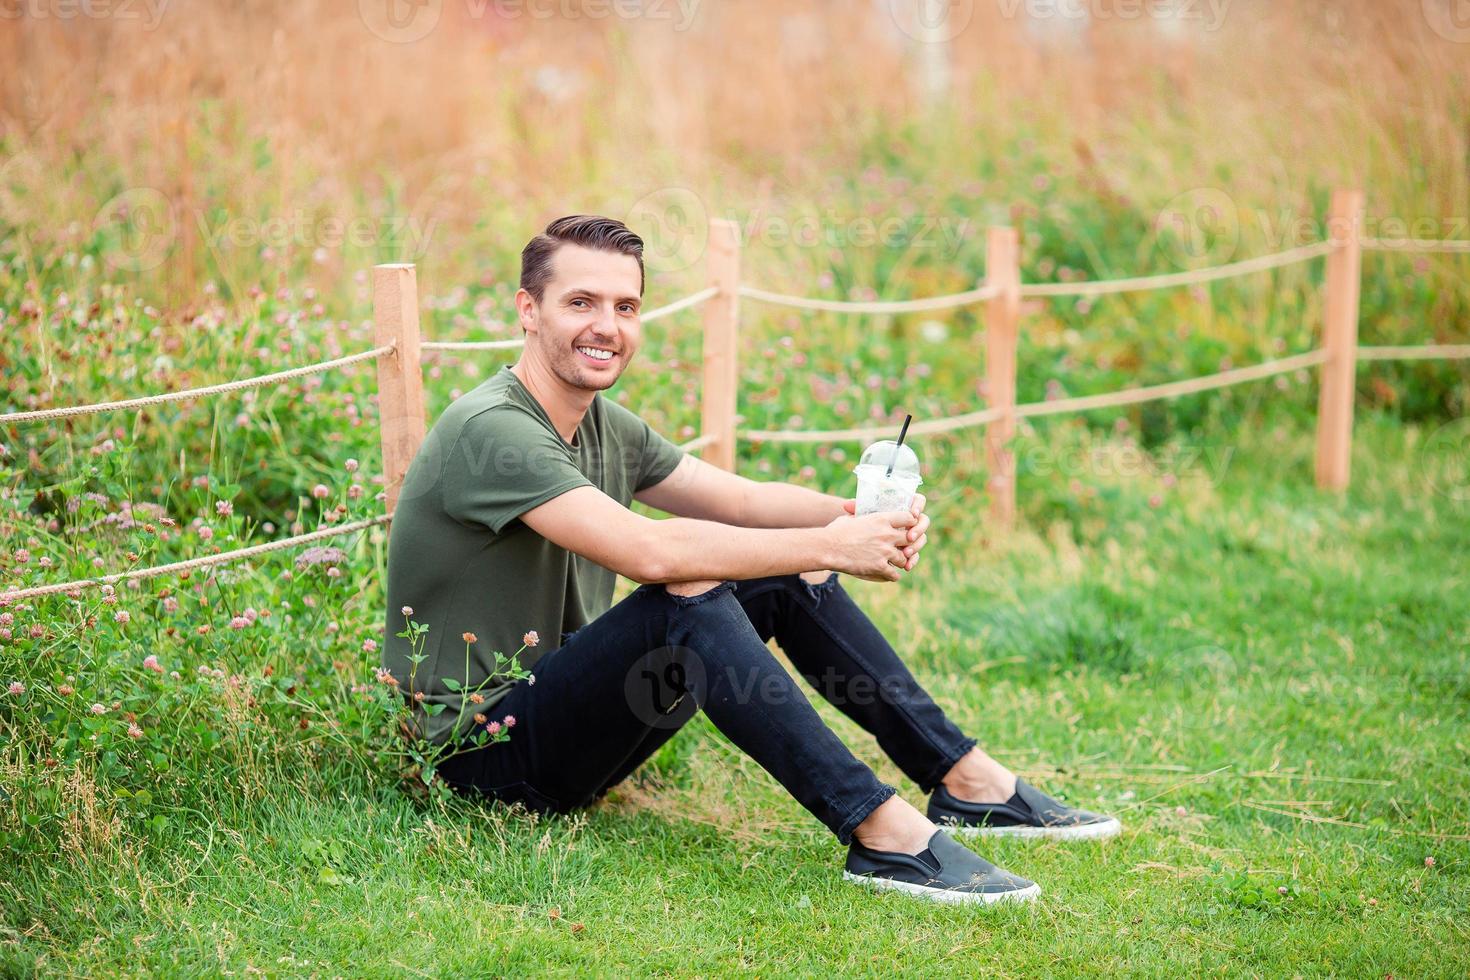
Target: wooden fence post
{"type": "Point", "coordinates": [1002, 324]}
{"type": "Point", "coordinates": [721, 337]}
{"type": "Point", "coordinates": [1340, 340]}
{"type": "Point", "coordinates": [400, 377]}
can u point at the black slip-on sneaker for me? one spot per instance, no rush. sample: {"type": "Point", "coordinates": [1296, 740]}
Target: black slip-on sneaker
{"type": "Point", "coordinates": [945, 871]}
{"type": "Point", "coordinates": [1028, 813]}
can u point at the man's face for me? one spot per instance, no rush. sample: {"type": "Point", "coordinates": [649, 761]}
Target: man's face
{"type": "Point", "coordinates": [589, 308]}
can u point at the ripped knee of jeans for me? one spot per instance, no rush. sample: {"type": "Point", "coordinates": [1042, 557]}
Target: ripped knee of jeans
{"type": "Point", "coordinates": [682, 601]}
{"type": "Point", "coordinates": [818, 589]}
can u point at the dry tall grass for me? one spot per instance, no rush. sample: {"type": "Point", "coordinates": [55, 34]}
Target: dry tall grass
{"type": "Point", "coordinates": [497, 120]}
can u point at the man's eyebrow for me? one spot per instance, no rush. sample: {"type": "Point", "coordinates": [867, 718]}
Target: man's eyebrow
{"type": "Point", "coordinates": [582, 291]}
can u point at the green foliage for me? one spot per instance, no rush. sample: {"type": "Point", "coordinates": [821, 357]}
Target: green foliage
{"type": "Point", "coordinates": [1192, 628]}
{"type": "Point", "coordinates": [171, 694]}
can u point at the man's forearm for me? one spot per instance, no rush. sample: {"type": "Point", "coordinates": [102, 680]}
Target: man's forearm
{"type": "Point", "coordinates": [686, 549]}
{"type": "Point", "coordinates": [788, 505]}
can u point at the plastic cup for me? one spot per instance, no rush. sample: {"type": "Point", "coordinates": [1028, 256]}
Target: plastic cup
{"type": "Point", "coordinates": [880, 491]}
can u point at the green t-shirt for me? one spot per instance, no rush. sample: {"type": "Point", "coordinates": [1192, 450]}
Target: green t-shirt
{"type": "Point", "coordinates": [461, 558]}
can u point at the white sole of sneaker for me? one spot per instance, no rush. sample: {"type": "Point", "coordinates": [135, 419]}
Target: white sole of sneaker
{"type": "Point", "coordinates": [1029, 894]}
{"type": "Point", "coordinates": [1087, 831]}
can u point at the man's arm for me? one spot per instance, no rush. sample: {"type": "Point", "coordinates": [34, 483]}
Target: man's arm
{"type": "Point", "coordinates": [697, 489]}
{"type": "Point", "coordinates": [777, 504]}
{"type": "Point", "coordinates": [586, 521]}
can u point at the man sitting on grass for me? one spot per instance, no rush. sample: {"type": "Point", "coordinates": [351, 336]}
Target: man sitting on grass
{"type": "Point", "coordinates": [514, 519]}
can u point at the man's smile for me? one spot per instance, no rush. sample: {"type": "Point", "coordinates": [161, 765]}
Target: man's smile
{"type": "Point", "coordinates": [598, 355]}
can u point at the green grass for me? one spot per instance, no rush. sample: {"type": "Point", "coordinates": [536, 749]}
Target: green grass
{"type": "Point", "coordinates": [1268, 685]}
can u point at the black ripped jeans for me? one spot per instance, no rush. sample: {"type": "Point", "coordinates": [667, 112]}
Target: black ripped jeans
{"type": "Point", "coordinates": [620, 686]}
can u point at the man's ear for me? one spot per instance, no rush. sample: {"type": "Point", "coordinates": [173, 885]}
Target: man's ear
{"type": "Point", "coordinates": [526, 311]}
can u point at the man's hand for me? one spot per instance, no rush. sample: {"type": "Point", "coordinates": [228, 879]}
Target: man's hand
{"type": "Point", "coordinates": [871, 547]}
{"type": "Point", "coordinates": [917, 535]}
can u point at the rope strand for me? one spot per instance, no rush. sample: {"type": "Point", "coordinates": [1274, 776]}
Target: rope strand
{"type": "Point", "coordinates": [178, 396]}
{"type": "Point", "coordinates": [694, 299]}
{"type": "Point", "coordinates": [979, 295]}
{"type": "Point", "coordinates": [231, 556]}
{"type": "Point", "coordinates": [697, 443]}
{"type": "Point", "coordinates": [179, 566]}
{"type": "Point", "coordinates": [1423, 352]}
{"type": "Point", "coordinates": [1171, 389]}
{"type": "Point", "coordinates": [1174, 279]}
{"type": "Point", "coordinates": [1413, 245]}
{"type": "Point", "coordinates": [472, 344]}
{"type": "Point", "coordinates": [1174, 389]}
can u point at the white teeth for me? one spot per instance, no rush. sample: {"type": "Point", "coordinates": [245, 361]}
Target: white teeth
{"type": "Point", "coordinates": [601, 355]}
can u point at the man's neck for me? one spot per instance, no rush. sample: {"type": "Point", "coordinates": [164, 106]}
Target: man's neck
{"type": "Point", "coordinates": [565, 405]}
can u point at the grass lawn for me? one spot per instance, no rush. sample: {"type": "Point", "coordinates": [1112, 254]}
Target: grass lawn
{"type": "Point", "coordinates": [1268, 685]}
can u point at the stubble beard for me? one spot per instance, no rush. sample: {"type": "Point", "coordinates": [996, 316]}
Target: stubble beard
{"type": "Point", "coordinates": [566, 366]}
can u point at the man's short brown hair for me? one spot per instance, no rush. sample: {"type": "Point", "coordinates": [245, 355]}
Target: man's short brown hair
{"type": "Point", "coordinates": [586, 230]}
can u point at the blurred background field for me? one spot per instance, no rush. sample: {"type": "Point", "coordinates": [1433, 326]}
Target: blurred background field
{"type": "Point", "coordinates": [201, 199]}
{"type": "Point", "coordinates": [191, 194]}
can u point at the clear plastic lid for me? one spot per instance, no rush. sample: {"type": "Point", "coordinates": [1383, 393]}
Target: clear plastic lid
{"type": "Point", "coordinates": [880, 454]}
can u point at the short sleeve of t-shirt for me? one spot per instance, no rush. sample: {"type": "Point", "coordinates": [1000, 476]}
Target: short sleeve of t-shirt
{"type": "Point", "coordinates": [658, 457]}
{"type": "Point", "coordinates": [505, 462]}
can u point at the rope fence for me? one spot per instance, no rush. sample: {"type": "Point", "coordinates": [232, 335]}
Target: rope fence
{"type": "Point", "coordinates": [402, 407]}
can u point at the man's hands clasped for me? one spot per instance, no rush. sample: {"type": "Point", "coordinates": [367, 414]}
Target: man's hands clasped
{"type": "Point", "coordinates": [880, 547]}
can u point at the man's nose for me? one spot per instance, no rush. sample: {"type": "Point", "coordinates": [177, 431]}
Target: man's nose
{"type": "Point", "coordinates": [606, 323]}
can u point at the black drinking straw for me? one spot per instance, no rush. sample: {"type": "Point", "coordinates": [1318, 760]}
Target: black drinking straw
{"type": "Point", "coordinates": [901, 433]}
